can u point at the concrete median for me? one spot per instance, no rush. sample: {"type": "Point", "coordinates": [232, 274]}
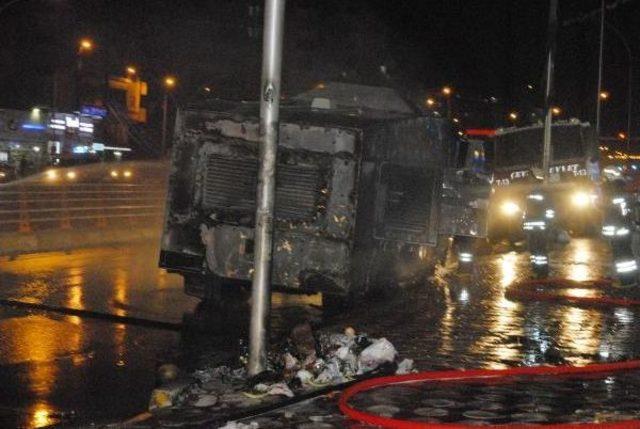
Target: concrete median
{"type": "Point", "coordinates": [16, 243]}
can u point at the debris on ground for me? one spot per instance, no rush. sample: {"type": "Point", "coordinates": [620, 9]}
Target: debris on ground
{"type": "Point", "coordinates": [304, 362]}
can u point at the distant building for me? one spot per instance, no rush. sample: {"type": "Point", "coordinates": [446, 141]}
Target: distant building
{"type": "Point", "coordinates": [32, 140]}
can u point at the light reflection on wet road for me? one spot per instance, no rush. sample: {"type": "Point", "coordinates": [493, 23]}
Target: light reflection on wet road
{"type": "Point", "coordinates": [51, 364]}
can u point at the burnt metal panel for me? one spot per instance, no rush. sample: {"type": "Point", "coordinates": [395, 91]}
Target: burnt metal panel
{"type": "Point", "coordinates": [230, 184]}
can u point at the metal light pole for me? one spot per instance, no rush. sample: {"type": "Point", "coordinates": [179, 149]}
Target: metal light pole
{"type": "Point", "coordinates": [269, 127]}
{"type": "Point", "coordinates": [169, 84]}
{"type": "Point", "coordinates": [629, 82]}
{"type": "Point", "coordinates": [600, 61]}
{"type": "Point", "coordinates": [548, 94]}
{"type": "Point", "coordinates": [163, 140]}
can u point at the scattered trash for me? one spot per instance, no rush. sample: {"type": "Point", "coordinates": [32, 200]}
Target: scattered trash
{"type": "Point", "coordinates": [406, 366]}
{"type": "Point", "coordinates": [236, 425]}
{"type": "Point", "coordinates": [206, 401]}
{"type": "Point", "coordinates": [381, 351]}
{"type": "Point", "coordinates": [305, 362]}
{"type": "Point", "coordinates": [169, 395]}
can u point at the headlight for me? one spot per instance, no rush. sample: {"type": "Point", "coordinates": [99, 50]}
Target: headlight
{"type": "Point", "coordinates": [580, 199]}
{"type": "Point", "coordinates": [71, 175]}
{"type": "Point", "coordinates": [114, 173]}
{"type": "Point", "coordinates": [509, 208]}
{"type": "Point", "coordinates": [52, 174]}
{"type": "Point", "coordinates": [3, 174]}
{"type": "Point", "coordinates": [626, 266]}
{"type": "Point", "coordinates": [127, 173]}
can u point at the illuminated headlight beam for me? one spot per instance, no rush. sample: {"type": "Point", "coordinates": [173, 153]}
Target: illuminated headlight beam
{"type": "Point", "coordinates": [465, 257]}
{"type": "Point", "coordinates": [626, 266]}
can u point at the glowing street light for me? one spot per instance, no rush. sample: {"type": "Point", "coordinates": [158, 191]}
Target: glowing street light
{"type": "Point", "coordinates": [513, 116]}
{"type": "Point", "coordinates": [556, 111]}
{"type": "Point", "coordinates": [431, 102]}
{"type": "Point", "coordinates": [447, 91]}
{"type": "Point", "coordinates": [170, 82]}
{"type": "Point", "coordinates": [622, 136]}
{"type": "Point", "coordinates": [85, 45]}
{"type": "Point", "coordinates": [131, 70]}
{"type": "Point", "coordinates": [604, 95]}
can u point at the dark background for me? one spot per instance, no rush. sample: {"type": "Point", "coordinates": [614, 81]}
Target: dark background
{"type": "Point", "coordinates": [481, 48]}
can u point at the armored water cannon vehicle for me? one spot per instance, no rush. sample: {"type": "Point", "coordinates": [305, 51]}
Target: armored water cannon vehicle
{"type": "Point", "coordinates": [359, 191]}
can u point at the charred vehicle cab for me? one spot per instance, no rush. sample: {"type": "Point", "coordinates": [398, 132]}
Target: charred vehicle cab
{"type": "Point", "coordinates": [358, 191]}
{"type": "Point", "coordinates": [517, 171]}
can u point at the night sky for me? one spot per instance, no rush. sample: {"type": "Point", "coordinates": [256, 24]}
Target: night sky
{"type": "Point", "coordinates": [481, 48]}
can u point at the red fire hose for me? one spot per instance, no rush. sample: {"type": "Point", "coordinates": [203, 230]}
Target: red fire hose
{"type": "Point", "coordinates": [486, 376]}
{"type": "Point", "coordinates": [521, 291]}
{"type": "Point", "coordinates": [528, 290]}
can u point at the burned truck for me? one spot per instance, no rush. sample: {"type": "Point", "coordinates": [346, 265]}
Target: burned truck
{"type": "Point", "coordinates": [358, 194]}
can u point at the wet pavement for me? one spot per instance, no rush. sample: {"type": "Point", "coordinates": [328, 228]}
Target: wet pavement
{"type": "Point", "coordinates": [52, 364]}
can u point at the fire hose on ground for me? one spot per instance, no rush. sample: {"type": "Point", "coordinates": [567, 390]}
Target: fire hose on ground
{"type": "Point", "coordinates": [529, 290]}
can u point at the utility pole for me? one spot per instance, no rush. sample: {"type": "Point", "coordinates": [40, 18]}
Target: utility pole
{"type": "Point", "coordinates": [169, 83]}
{"type": "Point", "coordinates": [163, 140]}
{"type": "Point", "coordinates": [629, 81]}
{"type": "Point", "coordinates": [548, 95]}
{"type": "Point", "coordinates": [265, 201]}
{"type": "Point", "coordinates": [600, 62]}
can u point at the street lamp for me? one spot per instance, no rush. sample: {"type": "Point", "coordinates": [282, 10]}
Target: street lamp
{"type": "Point", "coordinates": [629, 81]}
{"type": "Point", "coordinates": [85, 46]}
{"type": "Point", "coordinates": [169, 83]}
{"type": "Point", "coordinates": [556, 111]}
{"type": "Point", "coordinates": [447, 91]}
{"type": "Point", "coordinates": [513, 116]}
{"type": "Point", "coordinates": [604, 95]}
{"type": "Point", "coordinates": [430, 102]}
{"type": "Point", "coordinates": [131, 71]}
{"type": "Point", "coordinates": [622, 136]}
{"type": "Point", "coordinates": [600, 65]}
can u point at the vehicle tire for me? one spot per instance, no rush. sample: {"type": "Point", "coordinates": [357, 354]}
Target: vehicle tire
{"type": "Point", "coordinates": [223, 307]}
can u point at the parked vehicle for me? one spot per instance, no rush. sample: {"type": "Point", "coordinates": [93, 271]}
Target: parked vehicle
{"type": "Point", "coordinates": [7, 173]}
{"type": "Point", "coordinates": [359, 188]}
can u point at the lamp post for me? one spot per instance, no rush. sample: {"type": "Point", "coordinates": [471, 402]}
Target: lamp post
{"type": "Point", "coordinates": [265, 199]}
{"type": "Point", "coordinates": [447, 92]}
{"type": "Point", "coordinates": [169, 83]}
{"type": "Point", "coordinates": [85, 48]}
{"type": "Point", "coordinates": [629, 82]}
{"type": "Point", "coordinates": [600, 59]}
{"type": "Point", "coordinates": [548, 94]}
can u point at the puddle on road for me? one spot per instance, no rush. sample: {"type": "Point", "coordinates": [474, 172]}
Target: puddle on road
{"type": "Point", "coordinates": [38, 339]}
{"type": "Point", "coordinates": [609, 397]}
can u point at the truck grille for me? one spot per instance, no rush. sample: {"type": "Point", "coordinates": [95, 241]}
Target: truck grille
{"type": "Point", "coordinates": [230, 184]}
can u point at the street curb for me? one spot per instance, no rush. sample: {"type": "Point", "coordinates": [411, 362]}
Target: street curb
{"type": "Point", "coordinates": [12, 244]}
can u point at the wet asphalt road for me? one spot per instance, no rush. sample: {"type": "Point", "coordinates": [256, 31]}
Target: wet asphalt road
{"type": "Point", "coordinates": [52, 364]}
